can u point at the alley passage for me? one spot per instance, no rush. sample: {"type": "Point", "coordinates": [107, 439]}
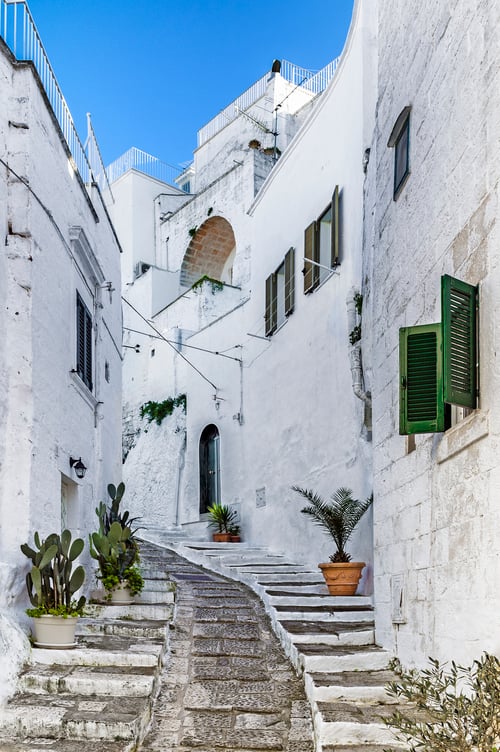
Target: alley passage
{"type": "Point", "coordinates": [227, 684]}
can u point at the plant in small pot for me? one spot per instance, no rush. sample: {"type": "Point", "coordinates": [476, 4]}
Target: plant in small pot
{"type": "Point", "coordinates": [51, 586]}
{"type": "Point", "coordinates": [116, 550]}
{"type": "Point", "coordinates": [222, 517]}
{"type": "Point", "coordinates": [338, 517]}
{"type": "Point", "coordinates": [234, 532]}
{"type": "Point", "coordinates": [118, 558]}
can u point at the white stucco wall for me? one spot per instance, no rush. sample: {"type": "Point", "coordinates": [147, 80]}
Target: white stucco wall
{"type": "Point", "coordinates": [49, 415]}
{"type": "Point", "coordinates": [437, 517]}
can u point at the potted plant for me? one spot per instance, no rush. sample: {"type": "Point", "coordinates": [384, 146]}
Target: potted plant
{"type": "Point", "coordinates": [222, 517]}
{"type": "Point", "coordinates": [338, 517]}
{"type": "Point", "coordinates": [51, 585]}
{"type": "Point", "coordinates": [116, 550]}
{"type": "Point", "coordinates": [234, 532]}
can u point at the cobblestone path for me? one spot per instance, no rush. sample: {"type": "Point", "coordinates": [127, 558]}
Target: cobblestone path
{"type": "Point", "coordinates": [227, 684]}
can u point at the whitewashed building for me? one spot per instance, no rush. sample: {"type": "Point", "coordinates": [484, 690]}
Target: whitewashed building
{"type": "Point", "coordinates": [432, 260]}
{"type": "Point", "coordinates": [269, 387]}
{"type": "Point", "coordinates": [60, 324]}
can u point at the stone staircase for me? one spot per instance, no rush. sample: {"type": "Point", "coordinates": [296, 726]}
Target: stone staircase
{"type": "Point", "coordinates": [98, 695]}
{"type": "Point", "coordinates": [329, 640]}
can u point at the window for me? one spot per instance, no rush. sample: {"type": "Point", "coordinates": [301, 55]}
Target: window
{"type": "Point", "coordinates": [438, 362]}
{"type": "Point", "coordinates": [83, 342]}
{"type": "Point", "coordinates": [400, 140]}
{"type": "Point", "coordinates": [280, 294]}
{"type": "Point", "coordinates": [321, 245]}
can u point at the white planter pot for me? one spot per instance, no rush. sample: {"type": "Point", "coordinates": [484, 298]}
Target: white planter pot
{"type": "Point", "coordinates": [54, 631]}
{"type": "Point", "coordinates": [121, 596]}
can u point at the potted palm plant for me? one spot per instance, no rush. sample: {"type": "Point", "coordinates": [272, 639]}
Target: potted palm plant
{"type": "Point", "coordinates": [51, 585]}
{"type": "Point", "coordinates": [116, 550]}
{"type": "Point", "coordinates": [338, 517]}
{"type": "Point", "coordinates": [223, 518]}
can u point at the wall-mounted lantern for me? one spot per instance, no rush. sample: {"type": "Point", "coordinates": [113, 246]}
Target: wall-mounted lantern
{"type": "Point", "coordinates": [78, 467]}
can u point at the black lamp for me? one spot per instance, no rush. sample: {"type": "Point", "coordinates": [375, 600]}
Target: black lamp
{"type": "Point", "coordinates": [78, 467]}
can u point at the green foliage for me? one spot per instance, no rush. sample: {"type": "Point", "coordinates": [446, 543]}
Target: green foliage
{"type": "Point", "coordinates": [455, 710]}
{"type": "Point", "coordinates": [192, 231]}
{"type": "Point", "coordinates": [358, 302]}
{"type": "Point", "coordinates": [338, 517]}
{"type": "Point", "coordinates": [210, 210]}
{"type": "Point", "coordinates": [114, 546]}
{"type": "Point", "coordinates": [215, 284]}
{"type": "Point", "coordinates": [157, 411]}
{"type": "Point", "coordinates": [355, 335]}
{"type": "Point", "coordinates": [222, 517]}
{"type": "Point", "coordinates": [51, 583]}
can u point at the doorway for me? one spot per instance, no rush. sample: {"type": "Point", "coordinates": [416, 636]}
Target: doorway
{"type": "Point", "coordinates": [209, 456]}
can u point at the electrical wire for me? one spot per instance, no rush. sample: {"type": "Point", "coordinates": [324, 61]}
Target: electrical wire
{"type": "Point", "coordinates": [169, 343]}
{"type": "Point", "coordinates": [193, 347]}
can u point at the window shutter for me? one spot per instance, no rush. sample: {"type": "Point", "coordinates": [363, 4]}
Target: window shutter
{"type": "Point", "coordinates": [83, 342]}
{"type": "Point", "coordinates": [289, 281]}
{"type": "Point", "coordinates": [88, 350]}
{"type": "Point", "coordinates": [311, 272]}
{"type": "Point", "coordinates": [421, 403]}
{"type": "Point", "coordinates": [335, 228]}
{"type": "Point", "coordinates": [459, 303]}
{"type": "Point", "coordinates": [271, 315]}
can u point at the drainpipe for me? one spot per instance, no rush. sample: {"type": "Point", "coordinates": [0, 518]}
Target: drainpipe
{"type": "Point", "coordinates": [353, 320]}
{"type": "Point", "coordinates": [182, 461]}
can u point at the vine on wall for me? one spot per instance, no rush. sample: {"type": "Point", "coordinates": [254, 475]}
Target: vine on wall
{"type": "Point", "coordinates": [157, 411]}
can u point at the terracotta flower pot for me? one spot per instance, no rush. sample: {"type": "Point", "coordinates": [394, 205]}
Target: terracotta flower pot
{"type": "Point", "coordinates": [342, 579]}
{"type": "Point", "coordinates": [54, 631]}
{"type": "Point", "coordinates": [221, 537]}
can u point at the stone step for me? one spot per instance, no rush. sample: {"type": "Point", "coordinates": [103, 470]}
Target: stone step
{"type": "Point", "coordinates": [362, 748]}
{"type": "Point", "coordinates": [134, 612]}
{"type": "Point", "coordinates": [296, 602]}
{"type": "Point", "coordinates": [322, 614]}
{"type": "Point", "coordinates": [285, 579]}
{"type": "Point", "coordinates": [354, 637]}
{"type": "Point", "coordinates": [63, 745]}
{"type": "Point", "coordinates": [349, 723]}
{"type": "Point", "coordinates": [104, 650]}
{"type": "Point", "coordinates": [89, 680]}
{"type": "Point", "coordinates": [353, 686]}
{"type": "Point", "coordinates": [122, 627]}
{"type": "Point", "coordinates": [326, 658]}
{"type": "Point", "coordinates": [75, 717]}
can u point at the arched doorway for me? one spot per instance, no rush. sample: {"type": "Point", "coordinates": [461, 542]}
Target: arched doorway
{"type": "Point", "coordinates": [210, 253]}
{"type": "Point", "coordinates": [209, 455]}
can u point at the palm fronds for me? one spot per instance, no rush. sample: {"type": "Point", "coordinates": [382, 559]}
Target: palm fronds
{"type": "Point", "coordinates": [338, 517]}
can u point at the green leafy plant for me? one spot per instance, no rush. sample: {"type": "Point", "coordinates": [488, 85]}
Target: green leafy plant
{"type": "Point", "coordinates": [338, 517]}
{"type": "Point", "coordinates": [157, 411]}
{"type": "Point", "coordinates": [215, 284]}
{"type": "Point", "coordinates": [52, 583]}
{"type": "Point", "coordinates": [192, 231]}
{"type": "Point", "coordinates": [456, 709]}
{"type": "Point", "coordinates": [114, 546]}
{"type": "Point", "coordinates": [358, 302]}
{"type": "Point", "coordinates": [355, 335]}
{"type": "Point", "coordinates": [222, 517]}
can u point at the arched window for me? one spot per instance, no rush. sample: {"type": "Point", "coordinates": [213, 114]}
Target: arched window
{"type": "Point", "coordinates": [209, 454]}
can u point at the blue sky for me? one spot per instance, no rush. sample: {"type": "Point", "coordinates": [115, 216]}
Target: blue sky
{"type": "Point", "coordinates": [152, 73]}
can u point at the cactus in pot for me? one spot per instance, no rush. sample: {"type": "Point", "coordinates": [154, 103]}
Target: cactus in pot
{"type": "Point", "coordinates": [117, 554]}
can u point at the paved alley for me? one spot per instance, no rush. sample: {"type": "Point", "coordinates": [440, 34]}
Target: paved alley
{"type": "Point", "coordinates": [227, 684]}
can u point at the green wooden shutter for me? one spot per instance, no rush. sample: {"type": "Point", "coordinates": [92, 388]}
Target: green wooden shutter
{"type": "Point", "coordinates": [421, 403]}
{"type": "Point", "coordinates": [311, 271]}
{"type": "Point", "coordinates": [271, 315]}
{"type": "Point", "coordinates": [335, 260]}
{"type": "Point", "coordinates": [458, 304]}
{"type": "Point", "coordinates": [289, 281]}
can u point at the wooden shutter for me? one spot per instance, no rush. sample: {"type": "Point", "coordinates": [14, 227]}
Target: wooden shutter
{"type": "Point", "coordinates": [335, 260]}
{"type": "Point", "coordinates": [311, 272]}
{"type": "Point", "coordinates": [83, 342]}
{"type": "Point", "coordinates": [289, 281]}
{"type": "Point", "coordinates": [421, 403]}
{"type": "Point", "coordinates": [271, 315]}
{"type": "Point", "coordinates": [459, 303]}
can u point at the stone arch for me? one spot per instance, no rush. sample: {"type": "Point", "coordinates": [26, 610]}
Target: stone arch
{"type": "Point", "coordinates": [209, 253]}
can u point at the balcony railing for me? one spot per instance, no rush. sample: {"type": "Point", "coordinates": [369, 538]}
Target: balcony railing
{"type": "Point", "coordinates": [313, 82]}
{"type": "Point", "coordinates": [136, 159]}
{"type": "Point", "coordinates": [18, 30]}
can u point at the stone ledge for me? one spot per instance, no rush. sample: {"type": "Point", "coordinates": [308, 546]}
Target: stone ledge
{"type": "Point", "coordinates": [464, 434]}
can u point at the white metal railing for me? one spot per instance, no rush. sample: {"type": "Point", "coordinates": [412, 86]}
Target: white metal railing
{"type": "Point", "coordinates": [136, 159]}
{"type": "Point", "coordinates": [313, 82]}
{"type": "Point", "coordinates": [18, 30]}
